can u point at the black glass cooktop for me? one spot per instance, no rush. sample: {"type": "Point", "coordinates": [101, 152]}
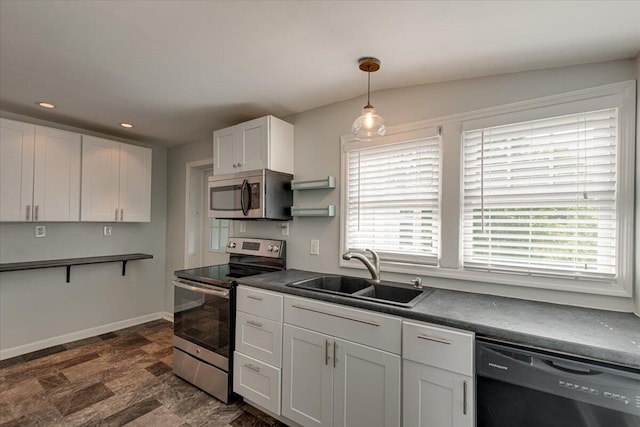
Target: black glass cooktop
{"type": "Point", "coordinates": [220, 275]}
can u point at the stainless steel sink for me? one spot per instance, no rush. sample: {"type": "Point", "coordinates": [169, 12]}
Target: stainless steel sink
{"type": "Point", "coordinates": [365, 289]}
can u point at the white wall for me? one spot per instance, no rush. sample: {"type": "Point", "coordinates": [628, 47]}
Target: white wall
{"type": "Point", "coordinates": [317, 154]}
{"type": "Point", "coordinates": [37, 305]}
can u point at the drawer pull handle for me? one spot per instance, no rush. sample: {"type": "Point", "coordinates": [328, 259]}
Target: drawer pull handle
{"type": "Point", "coordinates": [254, 323]}
{"type": "Point", "coordinates": [253, 368]}
{"type": "Point", "coordinates": [464, 398]}
{"type": "Point", "coordinates": [434, 339]}
{"type": "Point", "coordinates": [254, 297]}
{"type": "Point", "coordinates": [367, 322]}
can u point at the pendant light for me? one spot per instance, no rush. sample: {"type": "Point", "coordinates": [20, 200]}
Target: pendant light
{"type": "Point", "coordinates": [369, 125]}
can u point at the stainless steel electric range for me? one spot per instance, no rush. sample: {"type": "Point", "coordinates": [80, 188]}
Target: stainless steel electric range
{"type": "Point", "coordinates": [204, 313]}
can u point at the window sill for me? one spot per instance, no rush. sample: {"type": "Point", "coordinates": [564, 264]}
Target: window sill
{"type": "Point", "coordinates": [517, 281]}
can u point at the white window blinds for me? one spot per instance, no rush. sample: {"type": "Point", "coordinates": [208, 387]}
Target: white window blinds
{"type": "Point", "coordinates": [393, 202]}
{"type": "Point", "coordinates": [540, 197]}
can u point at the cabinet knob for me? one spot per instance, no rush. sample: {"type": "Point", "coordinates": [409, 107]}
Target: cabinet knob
{"type": "Point", "coordinates": [235, 166]}
{"type": "Point", "coordinates": [239, 164]}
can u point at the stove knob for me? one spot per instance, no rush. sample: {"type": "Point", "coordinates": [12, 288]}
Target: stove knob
{"type": "Point", "coordinates": [270, 248]}
{"type": "Point", "coordinates": [275, 249]}
{"type": "Point", "coordinates": [232, 244]}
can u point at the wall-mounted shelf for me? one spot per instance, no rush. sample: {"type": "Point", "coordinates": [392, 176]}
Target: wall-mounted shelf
{"type": "Point", "coordinates": [330, 210]}
{"type": "Point", "coordinates": [314, 184]}
{"type": "Point", "coordinates": [69, 262]}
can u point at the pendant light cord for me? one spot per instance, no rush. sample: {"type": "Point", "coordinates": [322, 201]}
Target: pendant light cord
{"type": "Point", "coordinates": [369, 86]}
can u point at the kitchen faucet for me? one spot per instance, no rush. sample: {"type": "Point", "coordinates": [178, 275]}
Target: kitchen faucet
{"type": "Point", "coordinates": [374, 268]}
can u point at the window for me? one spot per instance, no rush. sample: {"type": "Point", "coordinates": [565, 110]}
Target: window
{"type": "Point", "coordinates": [540, 196]}
{"type": "Point", "coordinates": [537, 194]}
{"type": "Point", "coordinates": [218, 234]}
{"type": "Point", "coordinates": [392, 197]}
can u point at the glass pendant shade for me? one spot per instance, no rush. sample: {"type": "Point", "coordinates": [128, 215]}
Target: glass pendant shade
{"type": "Point", "coordinates": [369, 125]}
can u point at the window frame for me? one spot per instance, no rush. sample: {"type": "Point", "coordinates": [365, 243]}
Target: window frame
{"type": "Point", "coordinates": [396, 135]}
{"type": "Point", "coordinates": [620, 95]}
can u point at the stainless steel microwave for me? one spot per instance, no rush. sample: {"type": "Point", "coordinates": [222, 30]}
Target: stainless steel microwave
{"type": "Point", "coordinates": [258, 194]}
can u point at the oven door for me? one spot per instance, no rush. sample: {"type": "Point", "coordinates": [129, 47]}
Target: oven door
{"type": "Point", "coordinates": [202, 321]}
{"type": "Point", "coordinates": [236, 197]}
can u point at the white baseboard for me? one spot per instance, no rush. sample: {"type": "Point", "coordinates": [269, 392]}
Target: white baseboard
{"type": "Point", "coordinates": [85, 333]}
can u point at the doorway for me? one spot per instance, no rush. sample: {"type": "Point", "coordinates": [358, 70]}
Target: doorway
{"type": "Point", "coordinates": [205, 238]}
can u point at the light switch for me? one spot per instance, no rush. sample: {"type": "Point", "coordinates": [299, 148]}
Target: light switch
{"type": "Point", "coordinates": [284, 227]}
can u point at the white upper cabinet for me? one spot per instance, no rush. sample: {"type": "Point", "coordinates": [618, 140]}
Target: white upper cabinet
{"type": "Point", "coordinates": [56, 186]}
{"type": "Point", "coordinates": [116, 181]}
{"type": "Point", "coordinates": [16, 170]}
{"type": "Point", "coordinates": [266, 142]}
{"type": "Point", "coordinates": [40, 173]}
{"type": "Point", "coordinates": [135, 183]}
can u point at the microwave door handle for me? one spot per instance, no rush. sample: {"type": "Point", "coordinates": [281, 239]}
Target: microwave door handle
{"type": "Point", "coordinates": [243, 188]}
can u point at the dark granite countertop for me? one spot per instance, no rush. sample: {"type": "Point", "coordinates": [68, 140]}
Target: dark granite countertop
{"type": "Point", "coordinates": [595, 334]}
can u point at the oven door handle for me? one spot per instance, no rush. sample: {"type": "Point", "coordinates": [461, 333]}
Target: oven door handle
{"type": "Point", "coordinates": [201, 289]}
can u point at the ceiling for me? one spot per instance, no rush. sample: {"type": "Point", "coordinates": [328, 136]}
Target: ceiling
{"type": "Point", "coordinates": [178, 70]}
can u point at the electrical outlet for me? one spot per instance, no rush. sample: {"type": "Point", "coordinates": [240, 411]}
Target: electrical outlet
{"type": "Point", "coordinates": [41, 231]}
{"type": "Point", "coordinates": [315, 247]}
{"type": "Point", "coordinates": [243, 227]}
{"type": "Point", "coordinates": [284, 227]}
{"type": "Point", "coordinates": [107, 230]}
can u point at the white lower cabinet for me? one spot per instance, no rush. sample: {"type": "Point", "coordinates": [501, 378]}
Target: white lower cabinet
{"type": "Point", "coordinates": [258, 353]}
{"type": "Point", "coordinates": [318, 364]}
{"type": "Point", "coordinates": [307, 377]}
{"type": "Point", "coordinates": [438, 385]}
{"type": "Point", "coordinates": [257, 381]}
{"type": "Point", "coordinates": [329, 381]}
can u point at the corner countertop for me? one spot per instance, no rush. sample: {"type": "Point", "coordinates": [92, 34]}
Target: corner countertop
{"type": "Point", "coordinates": [600, 335]}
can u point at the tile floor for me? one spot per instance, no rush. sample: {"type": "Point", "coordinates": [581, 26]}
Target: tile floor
{"type": "Point", "coordinates": [115, 379]}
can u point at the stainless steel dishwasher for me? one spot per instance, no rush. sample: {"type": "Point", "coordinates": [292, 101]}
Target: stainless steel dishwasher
{"type": "Point", "coordinates": [518, 386]}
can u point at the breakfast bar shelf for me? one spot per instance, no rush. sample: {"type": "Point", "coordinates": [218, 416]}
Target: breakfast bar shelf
{"type": "Point", "coordinates": [69, 262]}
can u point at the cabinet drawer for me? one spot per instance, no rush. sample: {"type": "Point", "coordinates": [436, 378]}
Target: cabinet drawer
{"type": "Point", "coordinates": [260, 303]}
{"type": "Point", "coordinates": [360, 326]}
{"type": "Point", "coordinates": [437, 346]}
{"type": "Point", "coordinates": [257, 381]}
{"type": "Point", "coordinates": [259, 338]}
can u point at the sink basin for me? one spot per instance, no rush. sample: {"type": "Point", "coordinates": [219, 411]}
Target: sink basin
{"type": "Point", "coordinates": [393, 294]}
{"type": "Point", "coordinates": [333, 284]}
{"type": "Point", "coordinates": [365, 289]}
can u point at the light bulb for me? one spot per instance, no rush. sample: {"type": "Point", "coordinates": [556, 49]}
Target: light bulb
{"type": "Point", "coordinates": [369, 125]}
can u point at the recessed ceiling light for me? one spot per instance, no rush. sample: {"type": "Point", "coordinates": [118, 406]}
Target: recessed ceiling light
{"type": "Point", "coordinates": [46, 105]}
{"type": "Point", "coordinates": [126, 125]}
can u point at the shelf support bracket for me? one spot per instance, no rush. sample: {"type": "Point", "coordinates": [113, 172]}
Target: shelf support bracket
{"type": "Point", "coordinates": [124, 267]}
{"type": "Point", "coordinates": [68, 273]}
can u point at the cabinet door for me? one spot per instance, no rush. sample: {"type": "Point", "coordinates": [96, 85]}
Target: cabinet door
{"type": "Point", "coordinates": [134, 199]}
{"type": "Point", "coordinates": [100, 179]}
{"type": "Point", "coordinates": [366, 386]}
{"type": "Point", "coordinates": [435, 397]}
{"type": "Point", "coordinates": [224, 160]}
{"type": "Point", "coordinates": [56, 189]}
{"type": "Point", "coordinates": [307, 377]}
{"type": "Point", "coordinates": [16, 170]}
{"type": "Point", "coordinates": [252, 144]}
